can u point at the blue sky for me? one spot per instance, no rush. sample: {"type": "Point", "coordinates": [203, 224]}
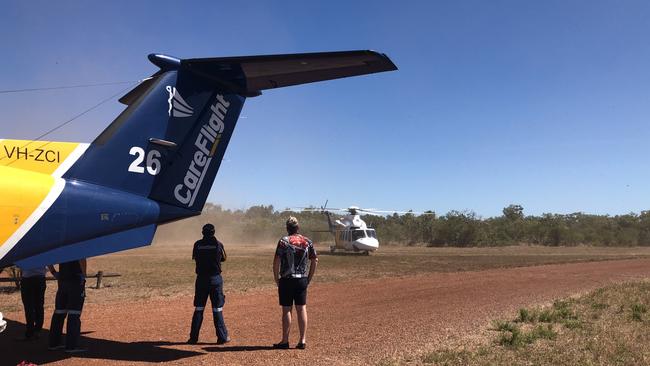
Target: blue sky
{"type": "Point", "coordinates": [540, 103]}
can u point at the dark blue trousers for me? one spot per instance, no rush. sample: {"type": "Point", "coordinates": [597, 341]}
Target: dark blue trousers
{"type": "Point", "coordinates": [32, 292]}
{"type": "Point", "coordinates": [212, 287]}
{"type": "Point", "coordinates": [69, 302]}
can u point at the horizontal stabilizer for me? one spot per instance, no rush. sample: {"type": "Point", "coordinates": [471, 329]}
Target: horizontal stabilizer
{"type": "Point", "coordinates": [136, 92]}
{"type": "Point", "coordinates": [124, 240]}
{"type": "Point", "coordinates": [250, 74]}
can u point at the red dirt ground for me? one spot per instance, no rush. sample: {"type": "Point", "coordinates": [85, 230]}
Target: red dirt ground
{"type": "Point", "coordinates": [353, 323]}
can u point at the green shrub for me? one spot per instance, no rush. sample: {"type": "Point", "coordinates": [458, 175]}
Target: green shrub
{"type": "Point", "coordinates": [513, 338]}
{"type": "Point", "coordinates": [637, 311]}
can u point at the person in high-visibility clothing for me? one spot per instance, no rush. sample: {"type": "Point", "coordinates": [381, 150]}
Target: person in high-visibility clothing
{"type": "Point", "coordinates": [69, 302]}
{"type": "Point", "coordinates": [208, 253]}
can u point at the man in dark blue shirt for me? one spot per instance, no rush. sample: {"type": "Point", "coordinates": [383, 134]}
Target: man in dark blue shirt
{"type": "Point", "coordinates": [208, 253]}
{"type": "Point", "coordinates": [69, 302]}
{"type": "Point", "coordinates": [291, 277]}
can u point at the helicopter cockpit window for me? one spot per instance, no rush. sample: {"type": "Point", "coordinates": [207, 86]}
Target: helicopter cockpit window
{"type": "Point", "coordinates": [371, 234]}
{"type": "Point", "coordinates": [358, 234]}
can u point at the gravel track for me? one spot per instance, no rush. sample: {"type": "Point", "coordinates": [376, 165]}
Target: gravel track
{"type": "Point", "coordinates": [351, 323]}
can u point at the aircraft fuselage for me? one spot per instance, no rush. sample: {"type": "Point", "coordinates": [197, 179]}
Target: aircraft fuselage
{"type": "Point", "coordinates": [40, 212]}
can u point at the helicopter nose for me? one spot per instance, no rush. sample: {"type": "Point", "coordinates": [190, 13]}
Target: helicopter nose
{"type": "Point", "coordinates": [366, 244]}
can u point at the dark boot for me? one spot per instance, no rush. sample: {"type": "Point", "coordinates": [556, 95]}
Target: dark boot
{"type": "Point", "coordinates": [73, 330]}
{"type": "Point", "coordinates": [56, 328]}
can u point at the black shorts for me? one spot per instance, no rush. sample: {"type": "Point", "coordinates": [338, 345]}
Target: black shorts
{"type": "Point", "coordinates": [293, 290]}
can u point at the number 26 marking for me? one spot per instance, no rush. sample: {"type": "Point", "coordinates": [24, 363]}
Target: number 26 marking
{"type": "Point", "coordinates": [153, 161]}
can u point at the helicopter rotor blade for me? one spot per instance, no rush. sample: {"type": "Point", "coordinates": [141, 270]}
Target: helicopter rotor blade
{"type": "Point", "coordinates": [313, 209]}
{"type": "Point", "coordinates": [380, 212]}
{"type": "Point", "coordinates": [357, 210]}
{"type": "Point", "coordinates": [363, 212]}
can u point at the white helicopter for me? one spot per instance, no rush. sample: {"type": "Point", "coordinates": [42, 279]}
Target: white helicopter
{"type": "Point", "coordinates": [350, 232]}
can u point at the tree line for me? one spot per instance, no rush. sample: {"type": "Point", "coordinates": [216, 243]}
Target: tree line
{"type": "Point", "coordinates": [456, 228]}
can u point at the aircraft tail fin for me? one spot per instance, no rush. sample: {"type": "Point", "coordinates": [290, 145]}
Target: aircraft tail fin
{"type": "Point", "coordinates": [169, 142]}
{"type": "Point", "coordinates": [330, 225]}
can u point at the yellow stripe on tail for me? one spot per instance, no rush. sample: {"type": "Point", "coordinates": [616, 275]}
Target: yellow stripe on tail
{"type": "Point", "coordinates": [38, 156]}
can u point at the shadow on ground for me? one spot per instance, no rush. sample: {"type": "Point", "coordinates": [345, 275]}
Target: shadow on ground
{"type": "Point", "coordinates": [343, 254]}
{"type": "Point", "coordinates": [12, 351]}
{"type": "Point", "coordinates": [238, 348]}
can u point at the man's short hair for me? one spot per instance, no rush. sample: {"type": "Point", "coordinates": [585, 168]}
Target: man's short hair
{"type": "Point", "coordinates": [208, 229]}
{"type": "Point", "coordinates": [292, 225]}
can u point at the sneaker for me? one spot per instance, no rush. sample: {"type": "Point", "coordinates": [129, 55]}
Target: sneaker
{"type": "Point", "coordinates": [75, 350]}
{"type": "Point", "coordinates": [192, 341]}
{"type": "Point", "coordinates": [223, 341]}
{"type": "Point", "coordinates": [301, 345]}
{"type": "Point", "coordinates": [281, 345]}
{"type": "Point", "coordinates": [54, 348]}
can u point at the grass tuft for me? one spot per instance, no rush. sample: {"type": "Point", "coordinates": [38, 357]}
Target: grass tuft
{"type": "Point", "coordinates": [605, 327]}
{"type": "Point", "coordinates": [503, 326]}
{"type": "Point", "coordinates": [513, 338]}
{"type": "Point", "coordinates": [447, 357]}
{"type": "Point", "coordinates": [516, 337]}
{"type": "Point", "coordinates": [572, 323]}
{"type": "Point", "coordinates": [527, 316]}
{"type": "Point", "coordinates": [562, 310]}
{"type": "Point", "coordinates": [599, 306]}
{"type": "Point", "coordinates": [388, 362]}
{"type": "Point", "coordinates": [637, 311]}
{"type": "Point", "coordinates": [546, 316]}
{"type": "Point", "coordinates": [541, 332]}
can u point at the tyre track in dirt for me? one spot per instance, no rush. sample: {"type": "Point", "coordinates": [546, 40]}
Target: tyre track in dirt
{"type": "Point", "coordinates": [351, 323]}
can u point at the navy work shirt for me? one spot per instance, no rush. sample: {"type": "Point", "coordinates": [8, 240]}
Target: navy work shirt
{"type": "Point", "coordinates": [208, 254]}
{"type": "Point", "coordinates": [70, 271]}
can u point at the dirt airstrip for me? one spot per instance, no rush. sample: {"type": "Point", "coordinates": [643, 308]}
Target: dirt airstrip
{"type": "Point", "coordinates": [352, 322]}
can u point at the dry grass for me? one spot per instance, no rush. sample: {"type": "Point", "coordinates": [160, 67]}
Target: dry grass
{"type": "Point", "coordinates": [609, 326]}
{"type": "Point", "coordinates": [166, 269]}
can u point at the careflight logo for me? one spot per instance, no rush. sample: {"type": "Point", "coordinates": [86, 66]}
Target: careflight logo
{"type": "Point", "coordinates": [206, 145]}
{"type": "Point", "coordinates": [178, 107]}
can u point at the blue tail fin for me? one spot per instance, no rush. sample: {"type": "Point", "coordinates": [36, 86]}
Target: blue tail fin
{"type": "Point", "coordinates": [189, 175]}
{"type": "Point", "coordinates": [169, 142]}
